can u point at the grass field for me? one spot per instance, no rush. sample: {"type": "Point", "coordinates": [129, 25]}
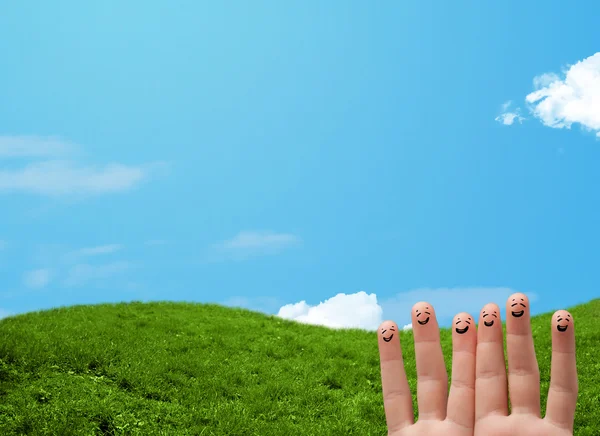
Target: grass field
{"type": "Point", "coordinates": [192, 369]}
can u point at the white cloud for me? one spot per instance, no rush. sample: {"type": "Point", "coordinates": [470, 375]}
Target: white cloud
{"type": "Point", "coordinates": [407, 327]}
{"type": "Point", "coordinates": [508, 118]}
{"type": "Point", "coordinates": [56, 174]}
{"type": "Point", "coordinates": [57, 178]}
{"type": "Point", "coordinates": [38, 278]}
{"type": "Point", "coordinates": [359, 310]}
{"type": "Point", "coordinates": [252, 243]}
{"type": "Point", "coordinates": [559, 103]}
{"type": "Point", "coordinates": [82, 274]}
{"type": "Point", "coordinates": [34, 146]}
{"type": "Point", "coordinates": [101, 249]}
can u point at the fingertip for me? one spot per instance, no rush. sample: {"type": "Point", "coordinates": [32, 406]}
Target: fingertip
{"type": "Point", "coordinates": [422, 315]}
{"type": "Point", "coordinates": [386, 324]}
{"type": "Point", "coordinates": [562, 322]}
{"type": "Point", "coordinates": [517, 307]}
{"type": "Point", "coordinates": [420, 306]}
{"type": "Point", "coordinates": [463, 323]}
{"type": "Point", "coordinates": [490, 308]}
{"type": "Point", "coordinates": [517, 297]}
{"type": "Point", "coordinates": [387, 330]}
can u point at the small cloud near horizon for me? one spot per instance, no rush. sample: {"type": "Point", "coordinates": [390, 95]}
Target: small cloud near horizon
{"type": "Point", "coordinates": [359, 310]}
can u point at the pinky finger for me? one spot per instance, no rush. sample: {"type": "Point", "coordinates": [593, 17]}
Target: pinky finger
{"type": "Point", "coordinates": [397, 400]}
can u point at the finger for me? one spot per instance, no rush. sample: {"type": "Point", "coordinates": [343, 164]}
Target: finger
{"type": "Point", "coordinates": [491, 393]}
{"type": "Point", "coordinates": [562, 395]}
{"type": "Point", "coordinates": [523, 371]}
{"type": "Point", "coordinates": [461, 401]}
{"type": "Point", "coordinates": [432, 379]}
{"type": "Point", "coordinates": [397, 400]}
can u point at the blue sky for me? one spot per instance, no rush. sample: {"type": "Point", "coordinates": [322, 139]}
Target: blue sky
{"type": "Point", "coordinates": [284, 152]}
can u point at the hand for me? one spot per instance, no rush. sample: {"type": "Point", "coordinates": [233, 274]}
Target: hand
{"type": "Point", "coordinates": [491, 409]}
{"type": "Point", "coordinates": [459, 414]}
{"type": "Point", "coordinates": [439, 414]}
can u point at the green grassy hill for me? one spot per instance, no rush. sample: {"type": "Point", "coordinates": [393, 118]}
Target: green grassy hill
{"type": "Point", "coordinates": [193, 369]}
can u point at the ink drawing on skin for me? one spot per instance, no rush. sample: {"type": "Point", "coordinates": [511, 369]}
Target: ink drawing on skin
{"type": "Point", "coordinates": [563, 328]}
{"type": "Point", "coordinates": [517, 313]}
{"type": "Point", "coordinates": [424, 320]}
{"type": "Point", "coordinates": [489, 322]}
{"type": "Point", "coordinates": [463, 330]}
{"type": "Point", "coordinates": [389, 338]}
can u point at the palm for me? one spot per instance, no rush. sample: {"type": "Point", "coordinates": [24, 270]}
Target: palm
{"type": "Point", "coordinates": [515, 425]}
{"type": "Point", "coordinates": [446, 428]}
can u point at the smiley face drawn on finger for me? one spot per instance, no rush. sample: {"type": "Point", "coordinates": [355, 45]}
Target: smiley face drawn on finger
{"type": "Point", "coordinates": [426, 315]}
{"type": "Point", "coordinates": [391, 329]}
{"type": "Point", "coordinates": [517, 307]}
{"type": "Point", "coordinates": [565, 320]}
{"type": "Point", "coordinates": [490, 321]}
{"type": "Point", "coordinates": [466, 322]}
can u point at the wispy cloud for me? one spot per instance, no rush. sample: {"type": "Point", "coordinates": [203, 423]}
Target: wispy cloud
{"type": "Point", "coordinates": [56, 178]}
{"type": "Point", "coordinates": [82, 274]}
{"type": "Point", "coordinates": [560, 103]}
{"type": "Point", "coordinates": [509, 117]}
{"type": "Point", "coordinates": [101, 249]}
{"type": "Point", "coordinates": [255, 243]}
{"type": "Point", "coordinates": [57, 174]}
{"type": "Point", "coordinates": [35, 146]}
{"type": "Point", "coordinates": [38, 278]}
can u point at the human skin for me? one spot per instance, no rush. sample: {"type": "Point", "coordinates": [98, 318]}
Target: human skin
{"type": "Point", "coordinates": [493, 386]}
{"type": "Point", "coordinates": [439, 413]}
{"type": "Point", "coordinates": [478, 399]}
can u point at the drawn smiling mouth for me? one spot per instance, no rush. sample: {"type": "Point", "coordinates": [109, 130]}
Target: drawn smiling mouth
{"type": "Point", "coordinates": [423, 322]}
{"type": "Point", "coordinates": [489, 324]}
{"type": "Point", "coordinates": [562, 328]}
{"type": "Point", "coordinates": [388, 339]}
{"type": "Point", "coordinates": [461, 331]}
{"type": "Point", "coordinates": [518, 314]}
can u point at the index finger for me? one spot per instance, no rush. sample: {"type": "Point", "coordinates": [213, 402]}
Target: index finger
{"type": "Point", "coordinates": [397, 400]}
